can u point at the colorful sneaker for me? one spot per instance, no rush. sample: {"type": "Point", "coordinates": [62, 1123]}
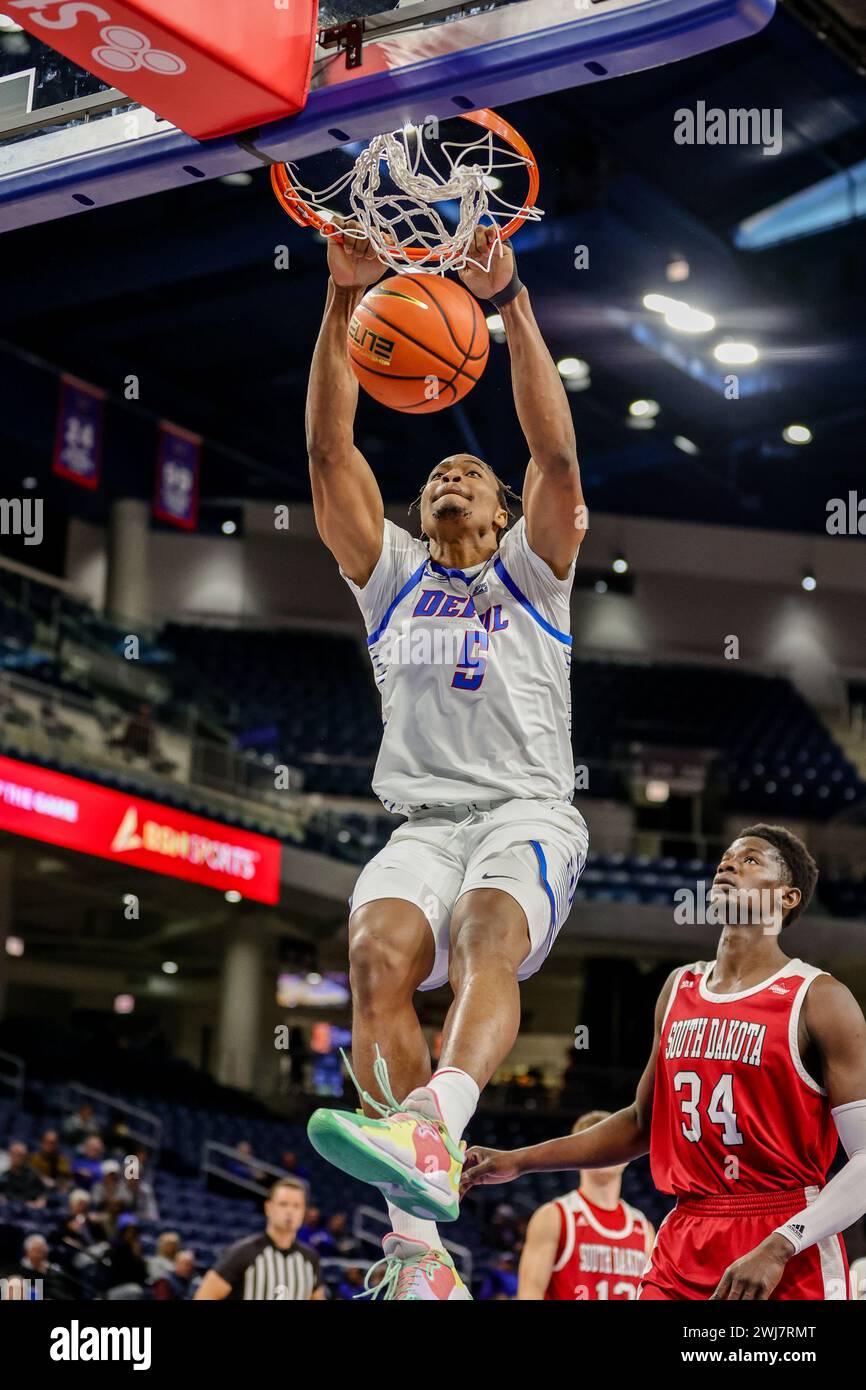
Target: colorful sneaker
{"type": "Point", "coordinates": [412, 1271]}
{"type": "Point", "coordinates": [408, 1153]}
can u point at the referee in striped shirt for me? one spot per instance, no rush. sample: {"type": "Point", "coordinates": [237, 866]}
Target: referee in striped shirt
{"type": "Point", "coordinates": [271, 1266]}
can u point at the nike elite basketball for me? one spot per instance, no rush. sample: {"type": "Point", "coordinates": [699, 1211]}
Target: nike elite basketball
{"type": "Point", "coordinates": [418, 343]}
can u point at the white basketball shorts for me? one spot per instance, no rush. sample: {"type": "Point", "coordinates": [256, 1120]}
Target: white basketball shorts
{"type": "Point", "coordinates": [533, 850]}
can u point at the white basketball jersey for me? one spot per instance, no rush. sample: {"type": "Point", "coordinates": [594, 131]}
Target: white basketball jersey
{"type": "Point", "coordinates": [473, 670]}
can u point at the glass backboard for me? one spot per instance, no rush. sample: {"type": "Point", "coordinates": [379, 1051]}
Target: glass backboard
{"type": "Point", "coordinates": [68, 142]}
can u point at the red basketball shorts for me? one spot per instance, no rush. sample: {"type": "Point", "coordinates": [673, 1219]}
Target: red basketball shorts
{"type": "Point", "coordinates": [702, 1236]}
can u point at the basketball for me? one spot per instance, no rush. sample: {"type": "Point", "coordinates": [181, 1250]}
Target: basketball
{"type": "Point", "coordinates": [418, 343]}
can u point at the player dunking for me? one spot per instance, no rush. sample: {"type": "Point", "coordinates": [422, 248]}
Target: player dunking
{"type": "Point", "coordinates": [589, 1244]}
{"type": "Point", "coordinates": [476, 753]}
{"type": "Point", "coordinates": [757, 1070]}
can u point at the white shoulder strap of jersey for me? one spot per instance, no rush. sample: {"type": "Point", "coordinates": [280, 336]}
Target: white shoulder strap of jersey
{"type": "Point", "coordinates": [566, 1207]}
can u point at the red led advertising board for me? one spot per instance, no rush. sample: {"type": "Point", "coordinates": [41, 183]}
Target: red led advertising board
{"type": "Point", "coordinates": [127, 829]}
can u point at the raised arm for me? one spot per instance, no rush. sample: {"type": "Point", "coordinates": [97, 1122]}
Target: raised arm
{"type": "Point", "coordinates": [553, 504]}
{"type": "Point", "coordinates": [618, 1139]}
{"type": "Point", "coordinates": [346, 498]}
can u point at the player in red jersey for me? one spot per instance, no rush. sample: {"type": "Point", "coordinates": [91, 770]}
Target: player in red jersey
{"type": "Point", "coordinates": [758, 1068]}
{"type": "Point", "coordinates": [589, 1244]}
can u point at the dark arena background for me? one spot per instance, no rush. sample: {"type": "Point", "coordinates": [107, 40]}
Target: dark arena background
{"type": "Point", "coordinates": [188, 715]}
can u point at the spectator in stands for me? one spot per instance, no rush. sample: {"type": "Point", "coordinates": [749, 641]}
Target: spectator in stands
{"type": "Point", "coordinates": [117, 1137]}
{"type": "Point", "coordinates": [503, 1230]}
{"type": "Point", "coordinates": [81, 1236]}
{"type": "Point", "coordinates": [292, 1166]}
{"type": "Point", "coordinates": [110, 1197]}
{"type": "Point", "coordinates": [36, 1264]}
{"type": "Point", "coordinates": [88, 1161]}
{"type": "Point", "coordinates": [137, 736]}
{"type": "Point", "coordinates": [20, 1183]}
{"type": "Point", "coordinates": [352, 1283]}
{"type": "Point", "coordinates": [127, 1271]}
{"type": "Point", "coordinates": [312, 1224]}
{"type": "Point", "coordinates": [177, 1286]}
{"type": "Point", "coordinates": [335, 1240]}
{"type": "Point", "coordinates": [161, 1264]}
{"type": "Point", "coordinates": [51, 1164]}
{"type": "Point", "coordinates": [142, 1200]}
{"type": "Point", "coordinates": [78, 1127]}
{"type": "Point", "coordinates": [501, 1279]}
{"type": "Point", "coordinates": [244, 1170]}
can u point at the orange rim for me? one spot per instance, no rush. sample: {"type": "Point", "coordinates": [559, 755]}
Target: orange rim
{"type": "Point", "coordinates": [306, 215]}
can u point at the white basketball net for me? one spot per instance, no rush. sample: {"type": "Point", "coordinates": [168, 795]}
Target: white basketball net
{"type": "Point", "coordinates": [393, 221]}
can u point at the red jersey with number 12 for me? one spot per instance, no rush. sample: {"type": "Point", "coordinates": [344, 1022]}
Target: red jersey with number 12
{"type": "Point", "coordinates": [734, 1108]}
{"type": "Point", "coordinates": [601, 1254]}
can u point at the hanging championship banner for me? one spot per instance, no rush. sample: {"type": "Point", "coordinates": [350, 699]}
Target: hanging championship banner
{"type": "Point", "coordinates": [78, 439]}
{"type": "Point", "coordinates": [177, 472]}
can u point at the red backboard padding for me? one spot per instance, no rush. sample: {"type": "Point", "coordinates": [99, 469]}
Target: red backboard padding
{"type": "Point", "coordinates": [211, 67]}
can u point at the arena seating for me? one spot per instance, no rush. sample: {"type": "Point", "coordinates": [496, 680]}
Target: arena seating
{"type": "Point", "coordinates": [311, 697]}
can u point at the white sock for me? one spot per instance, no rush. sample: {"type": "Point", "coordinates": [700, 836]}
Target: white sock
{"type": "Point", "coordinates": [414, 1228]}
{"type": "Point", "coordinates": [457, 1096]}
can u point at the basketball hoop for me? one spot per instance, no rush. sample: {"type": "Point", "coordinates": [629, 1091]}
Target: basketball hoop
{"type": "Point", "coordinates": [400, 211]}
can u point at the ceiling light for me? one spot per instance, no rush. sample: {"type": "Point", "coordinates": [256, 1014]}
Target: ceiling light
{"type": "Point", "coordinates": [29, 482]}
{"type": "Point", "coordinates": [797, 434]}
{"type": "Point", "coordinates": [14, 946]}
{"type": "Point", "coordinates": [124, 1003]}
{"type": "Point", "coordinates": [494, 323]}
{"type": "Point", "coordinates": [620, 564]}
{"type": "Point", "coordinates": [809, 583]}
{"type": "Point", "coordinates": [677, 270]}
{"type": "Point", "coordinates": [492, 182]}
{"type": "Point", "coordinates": [657, 791]}
{"type": "Point", "coordinates": [678, 314]}
{"type": "Point", "coordinates": [688, 446]}
{"type": "Point", "coordinates": [9, 26]}
{"type": "Point", "coordinates": [572, 368]}
{"type": "Point", "coordinates": [737, 354]}
{"type": "Point", "coordinates": [659, 303]}
{"type": "Point", "coordinates": [169, 967]}
{"type": "Point", "coordinates": [644, 409]}
{"type": "Point", "coordinates": [688, 320]}
{"type": "Point", "coordinates": [228, 528]}
{"type": "Point", "coordinates": [242, 179]}
{"type": "Point", "coordinates": [600, 586]}
{"type": "Point", "coordinates": [233, 896]}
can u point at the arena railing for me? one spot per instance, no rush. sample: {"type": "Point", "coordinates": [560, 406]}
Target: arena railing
{"type": "Point", "coordinates": [150, 1136]}
{"type": "Point", "coordinates": [210, 1168]}
{"type": "Point", "coordinates": [229, 782]}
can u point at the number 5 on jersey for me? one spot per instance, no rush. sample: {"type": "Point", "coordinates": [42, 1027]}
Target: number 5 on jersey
{"type": "Point", "coordinates": [472, 666]}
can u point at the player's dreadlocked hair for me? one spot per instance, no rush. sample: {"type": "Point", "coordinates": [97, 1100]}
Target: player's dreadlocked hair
{"type": "Point", "coordinates": [797, 859]}
{"type": "Point", "coordinates": [504, 495]}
